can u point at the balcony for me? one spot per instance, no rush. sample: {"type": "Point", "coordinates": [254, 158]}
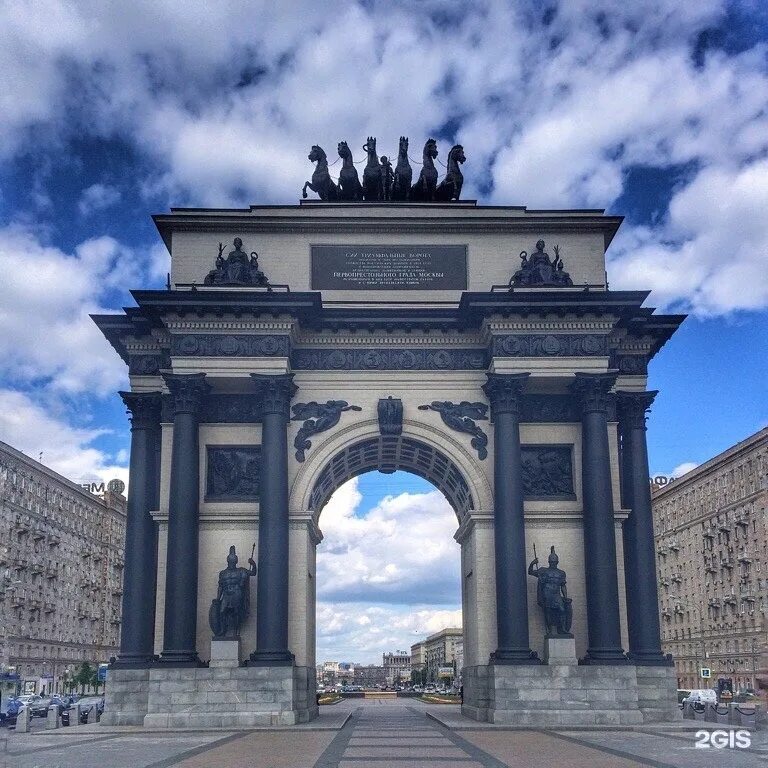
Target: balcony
{"type": "Point", "coordinates": [38, 533]}
{"type": "Point", "coordinates": [723, 527]}
{"type": "Point", "coordinates": [37, 567]}
{"type": "Point", "coordinates": [662, 550]}
{"type": "Point", "coordinates": [51, 573]}
{"type": "Point", "coordinates": [741, 518]}
{"type": "Point", "coordinates": [730, 600]}
{"type": "Point", "coordinates": [677, 578]}
{"type": "Point", "coordinates": [745, 557]}
{"type": "Point", "coordinates": [54, 540]}
{"type": "Point", "coordinates": [674, 545]}
{"type": "Point", "coordinates": [49, 607]}
{"type": "Point", "coordinates": [726, 562]}
{"type": "Point", "coordinates": [666, 614]}
{"type": "Point", "coordinates": [664, 582]}
{"type": "Point", "coordinates": [709, 565]}
{"type": "Point", "coordinates": [18, 599]}
{"type": "Point", "coordinates": [714, 603]}
{"type": "Point", "coordinates": [97, 556]}
{"type": "Point", "coordinates": [21, 525]}
{"type": "Point", "coordinates": [679, 608]}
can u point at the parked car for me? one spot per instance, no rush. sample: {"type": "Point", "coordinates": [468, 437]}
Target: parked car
{"type": "Point", "coordinates": [701, 696]}
{"type": "Point", "coordinates": [87, 703]}
{"type": "Point", "coordinates": [28, 698]}
{"type": "Point", "coordinates": [39, 708]}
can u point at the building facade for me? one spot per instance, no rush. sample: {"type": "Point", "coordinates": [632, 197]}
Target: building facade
{"type": "Point", "coordinates": [370, 675]}
{"type": "Point", "coordinates": [397, 667]}
{"type": "Point", "coordinates": [440, 650]}
{"type": "Point", "coordinates": [712, 554]}
{"type": "Point", "coordinates": [62, 557]}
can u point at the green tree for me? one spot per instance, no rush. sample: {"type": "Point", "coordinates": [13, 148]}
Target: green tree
{"type": "Point", "coordinates": [84, 676]}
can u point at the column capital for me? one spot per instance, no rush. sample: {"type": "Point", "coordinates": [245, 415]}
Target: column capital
{"type": "Point", "coordinates": [143, 408]}
{"type": "Point", "coordinates": [188, 391]}
{"type": "Point", "coordinates": [504, 391]}
{"type": "Point", "coordinates": [276, 392]}
{"type": "Point", "coordinates": [633, 407]}
{"type": "Point", "coordinates": [592, 390]}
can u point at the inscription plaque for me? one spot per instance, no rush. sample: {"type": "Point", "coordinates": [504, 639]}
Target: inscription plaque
{"type": "Point", "coordinates": [384, 267]}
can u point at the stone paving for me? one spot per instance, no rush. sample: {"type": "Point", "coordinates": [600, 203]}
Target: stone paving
{"type": "Point", "coordinates": [359, 734]}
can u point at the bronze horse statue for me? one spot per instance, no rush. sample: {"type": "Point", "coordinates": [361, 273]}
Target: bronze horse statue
{"type": "Point", "coordinates": [424, 188]}
{"type": "Point", "coordinates": [450, 187]}
{"type": "Point", "coordinates": [349, 182]}
{"type": "Point", "coordinates": [373, 188]}
{"type": "Point", "coordinates": [321, 182]}
{"type": "Point", "coordinates": [401, 188]}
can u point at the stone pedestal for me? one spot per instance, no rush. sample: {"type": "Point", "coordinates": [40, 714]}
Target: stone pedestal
{"type": "Point", "coordinates": [126, 695]}
{"type": "Point", "coordinates": [52, 720]}
{"type": "Point", "coordinates": [230, 696]}
{"type": "Point", "coordinates": [22, 721]}
{"type": "Point", "coordinates": [657, 694]}
{"type": "Point", "coordinates": [225, 653]}
{"type": "Point", "coordinates": [560, 650]}
{"type": "Point", "coordinates": [553, 695]}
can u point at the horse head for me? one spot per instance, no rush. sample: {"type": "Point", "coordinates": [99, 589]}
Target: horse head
{"type": "Point", "coordinates": [403, 145]}
{"type": "Point", "coordinates": [316, 153]}
{"type": "Point", "coordinates": [457, 154]}
{"type": "Point", "coordinates": [343, 150]}
{"type": "Point", "coordinates": [430, 149]}
{"type": "Point", "coordinates": [370, 146]}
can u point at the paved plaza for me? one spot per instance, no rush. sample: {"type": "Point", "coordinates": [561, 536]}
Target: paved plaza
{"type": "Point", "coordinates": [402, 733]}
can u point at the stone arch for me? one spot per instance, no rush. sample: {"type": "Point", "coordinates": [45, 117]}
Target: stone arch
{"type": "Point", "coordinates": [424, 450]}
{"type": "Point", "coordinates": [421, 449]}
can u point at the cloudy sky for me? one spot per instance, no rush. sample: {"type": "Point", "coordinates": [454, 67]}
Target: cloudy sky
{"type": "Point", "coordinates": [109, 112]}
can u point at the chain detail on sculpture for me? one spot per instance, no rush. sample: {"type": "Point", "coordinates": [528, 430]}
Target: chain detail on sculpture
{"type": "Point", "coordinates": [317, 417]}
{"type": "Point", "coordinates": [380, 182]}
{"type": "Point", "coordinates": [461, 416]}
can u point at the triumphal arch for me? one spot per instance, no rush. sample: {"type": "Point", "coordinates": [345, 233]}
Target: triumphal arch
{"type": "Point", "coordinates": [297, 346]}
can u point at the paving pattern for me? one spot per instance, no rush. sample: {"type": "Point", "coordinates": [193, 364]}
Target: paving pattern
{"type": "Point", "coordinates": [375, 735]}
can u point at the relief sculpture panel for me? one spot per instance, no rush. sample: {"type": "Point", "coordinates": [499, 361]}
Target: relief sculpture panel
{"type": "Point", "coordinates": [233, 473]}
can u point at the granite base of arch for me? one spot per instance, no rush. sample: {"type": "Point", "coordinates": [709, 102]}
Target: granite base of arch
{"type": "Point", "coordinates": [555, 695]}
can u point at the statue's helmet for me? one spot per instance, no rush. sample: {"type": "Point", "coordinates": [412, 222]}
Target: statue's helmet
{"type": "Point", "coordinates": [238, 243]}
{"type": "Point", "coordinates": [553, 558]}
{"type": "Point", "coordinates": [539, 245]}
{"type": "Point", "coordinates": [232, 557]}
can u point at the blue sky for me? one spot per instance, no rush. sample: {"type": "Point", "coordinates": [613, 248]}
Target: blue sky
{"type": "Point", "coordinates": [656, 110]}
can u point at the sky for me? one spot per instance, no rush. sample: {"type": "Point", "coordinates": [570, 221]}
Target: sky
{"type": "Point", "coordinates": [109, 112]}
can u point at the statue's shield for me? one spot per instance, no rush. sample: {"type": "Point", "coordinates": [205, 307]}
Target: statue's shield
{"type": "Point", "coordinates": [568, 614]}
{"type": "Point", "coordinates": [214, 617]}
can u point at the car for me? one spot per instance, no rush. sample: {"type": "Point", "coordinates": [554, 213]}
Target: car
{"type": "Point", "coordinates": [87, 703]}
{"type": "Point", "coordinates": [701, 696]}
{"type": "Point", "coordinates": [28, 698]}
{"type": "Point", "coordinates": [39, 708]}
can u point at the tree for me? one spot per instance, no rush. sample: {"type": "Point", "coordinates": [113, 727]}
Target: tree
{"type": "Point", "coordinates": [84, 676]}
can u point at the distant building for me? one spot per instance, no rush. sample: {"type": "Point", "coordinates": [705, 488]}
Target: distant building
{"type": "Point", "coordinates": [712, 554]}
{"type": "Point", "coordinates": [61, 560]}
{"type": "Point", "coordinates": [397, 667]}
{"type": "Point", "coordinates": [369, 676]}
{"type": "Point", "coordinates": [442, 649]}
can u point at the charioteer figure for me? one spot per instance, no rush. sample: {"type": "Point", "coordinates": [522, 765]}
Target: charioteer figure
{"type": "Point", "coordinates": [552, 596]}
{"type": "Point", "coordinates": [232, 602]}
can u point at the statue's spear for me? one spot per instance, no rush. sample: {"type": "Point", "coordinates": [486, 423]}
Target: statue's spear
{"type": "Point", "coordinates": [253, 549]}
{"type": "Point", "coordinates": [535, 556]}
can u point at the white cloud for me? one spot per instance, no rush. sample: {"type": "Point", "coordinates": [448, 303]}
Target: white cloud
{"type": "Point", "coordinates": [684, 468]}
{"type": "Point", "coordinates": [386, 579]}
{"type": "Point", "coordinates": [30, 428]}
{"type": "Point", "coordinates": [402, 551]}
{"type": "Point", "coordinates": [97, 197]}
{"type": "Point", "coordinates": [46, 295]}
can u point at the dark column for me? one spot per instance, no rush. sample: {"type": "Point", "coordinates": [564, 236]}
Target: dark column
{"type": "Point", "coordinates": [272, 590]}
{"type": "Point", "coordinates": [639, 549]}
{"type": "Point", "coordinates": [602, 582]}
{"type": "Point", "coordinates": [137, 631]}
{"type": "Point", "coordinates": [180, 626]}
{"type": "Point", "coordinates": [505, 394]}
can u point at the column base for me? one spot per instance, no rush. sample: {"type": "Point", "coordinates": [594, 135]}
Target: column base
{"type": "Point", "coordinates": [271, 659]}
{"type": "Point", "coordinates": [179, 659]}
{"type": "Point", "coordinates": [514, 656]}
{"type": "Point", "coordinates": [651, 659]}
{"type": "Point", "coordinates": [133, 661]}
{"type": "Point", "coordinates": [609, 656]}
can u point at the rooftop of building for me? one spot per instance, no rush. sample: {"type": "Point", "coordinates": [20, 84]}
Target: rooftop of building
{"type": "Point", "coordinates": [728, 455]}
{"type": "Point", "coordinates": [40, 468]}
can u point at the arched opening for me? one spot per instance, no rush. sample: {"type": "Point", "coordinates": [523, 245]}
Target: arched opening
{"type": "Point", "coordinates": [389, 573]}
